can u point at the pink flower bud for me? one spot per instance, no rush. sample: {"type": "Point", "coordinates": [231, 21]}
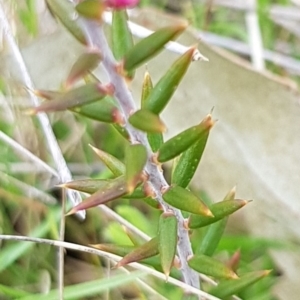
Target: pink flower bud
{"type": "Point", "coordinates": [118, 4]}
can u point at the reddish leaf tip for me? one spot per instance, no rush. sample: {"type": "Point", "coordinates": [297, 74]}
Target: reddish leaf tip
{"type": "Point", "coordinates": [107, 89]}
{"type": "Point", "coordinates": [118, 117]}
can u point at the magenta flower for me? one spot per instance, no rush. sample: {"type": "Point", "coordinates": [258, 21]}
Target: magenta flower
{"type": "Point", "coordinates": [121, 3]}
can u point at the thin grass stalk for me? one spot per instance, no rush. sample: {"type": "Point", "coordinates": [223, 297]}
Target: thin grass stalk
{"type": "Point", "coordinates": [61, 250]}
{"type": "Point", "coordinates": [114, 258]}
{"type": "Point", "coordinates": [26, 154]}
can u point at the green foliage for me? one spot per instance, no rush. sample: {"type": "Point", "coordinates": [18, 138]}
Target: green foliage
{"type": "Point", "coordinates": [134, 183]}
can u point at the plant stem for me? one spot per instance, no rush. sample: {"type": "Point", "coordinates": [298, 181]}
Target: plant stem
{"type": "Point", "coordinates": [97, 39]}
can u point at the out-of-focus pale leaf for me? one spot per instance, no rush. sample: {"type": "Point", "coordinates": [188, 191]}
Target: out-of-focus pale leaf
{"type": "Point", "coordinates": [86, 62]}
{"type": "Point", "coordinates": [79, 96]}
{"type": "Point", "coordinates": [91, 9]}
{"type": "Point", "coordinates": [64, 10]}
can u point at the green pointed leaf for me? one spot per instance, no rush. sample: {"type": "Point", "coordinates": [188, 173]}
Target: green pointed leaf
{"type": "Point", "coordinates": [211, 267]}
{"type": "Point", "coordinates": [114, 164]}
{"type": "Point", "coordinates": [188, 162]}
{"type": "Point", "coordinates": [103, 111]}
{"type": "Point", "coordinates": [135, 160]}
{"type": "Point", "coordinates": [212, 237]}
{"type": "Point", "coordinates": [155, 139]}
{"type": "Point", "coordinates": [186, 200]}
{"type": "Point", "coordinates": [214, 232]}
{"type": "Point", "coordinates": [133, 236]}
{"type": "Point", "coordinates": [138, 193]}
{"type": "Point", "coordinates": [220, 210]}
{"type": "Point", "coordinates": [230, 287]}
{"type": "Point", "coordinates": [150, 46]}
{"type": "Point", "coordinates": [114, 189]}
{"type": "Point", "coordinates": [182, 141]}
{"type": "Point", "coordinates": [146, 250]}
{"type": "Point", "coordinates": [89, 186]}
{"type": "Point", "coordinates": [147, 121]}
{"type": "Point", "coordinates": [91, 9]}
{"type": "Point", "coordinates": [153, 203]}
{"type": "Point", "coordinates": [167, 236]}
{"type": "Point", "coordinates": [166, 86]}
{"type": "Point", "coordinates": [146, 88]}
{"type": "Point", "coordinates": [122, 40]}
{"type": "Point", "coordinates": [64, 10]}
{"type": "Point", "coordinates": [122, 131]}
{"type": "Point", "coordinates": [73, 98]}
{"type": "Point", "coordinates": [86, 62]}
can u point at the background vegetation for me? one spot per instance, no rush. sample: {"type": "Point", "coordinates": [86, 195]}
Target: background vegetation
{"type": "Point", "coordinates": [30, 206]}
